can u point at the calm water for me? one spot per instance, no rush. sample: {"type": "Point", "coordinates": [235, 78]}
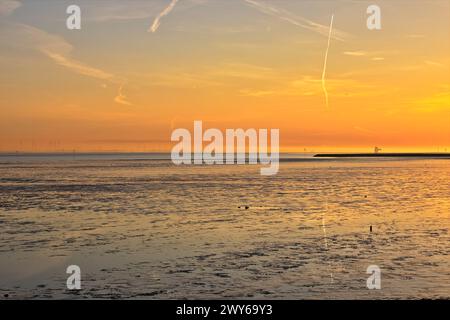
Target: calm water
{"type": "Point", "coordinates": [148, 229]}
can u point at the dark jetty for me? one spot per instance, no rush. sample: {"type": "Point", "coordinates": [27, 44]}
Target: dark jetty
{"type": "Point", "coordinates": [381, 155]}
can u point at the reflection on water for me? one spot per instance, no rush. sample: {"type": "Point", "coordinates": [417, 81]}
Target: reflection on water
{"type": "Point", "coordinates": [148, 229]}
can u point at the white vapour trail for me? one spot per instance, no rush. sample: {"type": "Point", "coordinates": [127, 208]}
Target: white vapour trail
{"type": "Point", "coordinates": [296, 20]}
{"type": "Point", "coordinates": [165, 12]}
{"type": "Point", "coordinates": [325, 62]}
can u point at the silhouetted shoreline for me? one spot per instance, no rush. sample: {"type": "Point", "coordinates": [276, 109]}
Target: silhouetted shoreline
{"type": "Point", "coordinates": [400, 155]}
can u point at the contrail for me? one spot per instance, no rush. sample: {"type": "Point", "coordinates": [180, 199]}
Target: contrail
{"type": "Point", "coordinates": [296, 20]}
{"type": "Point", "coordinates": [325, 63]}
{"type": "Point", "coordinates": [165, 12]}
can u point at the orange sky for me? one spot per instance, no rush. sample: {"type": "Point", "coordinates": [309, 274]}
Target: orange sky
{"type": "Point", "coordinates": [113, 85]}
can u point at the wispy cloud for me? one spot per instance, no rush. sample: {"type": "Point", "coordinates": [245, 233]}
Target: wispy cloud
{"type": "Point", "coordinates": [7, 7]}
{"type": "Point", "coordinates": [120, 10]}
{"type": "Point", "coordinates": [127, 10]}
{"type": "Point", "coordinates": [58, 50]}
{"type": "Point", "coordinates": [225, 74]}
{"type": "Point", "coordinates": [312, 86]}
{"type": "Point", "coordinates": [374, 55]}
{"type": "Point", "coordinates": [163, 13]}
{"type": "Point", "coordinates": [242, 71]}
{"type": "Point", "coordinates": [356, 53]}
{"type": "Point", "coordinates": [175, 78]}
{"type": "Point", "coordinates": [77, 67]}
{"type": "Point", "coordinates": [434, 63]}
{"type": "Point", "coordinates": [298, 21]}
{"type": "Point", "coordinates": [121, 98]}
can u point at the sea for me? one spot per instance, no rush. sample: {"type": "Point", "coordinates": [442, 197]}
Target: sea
{"type": "Point", "coordinates": [140, 227]}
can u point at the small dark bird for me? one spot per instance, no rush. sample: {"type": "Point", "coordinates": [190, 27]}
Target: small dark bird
{"type": "Point", "coordinates": [370, 228]}
{"type": "Point", "coordinates": [247, 207]}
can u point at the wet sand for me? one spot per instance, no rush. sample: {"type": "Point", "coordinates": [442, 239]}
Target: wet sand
{"type": "Point", "coordinates": [148, 229]}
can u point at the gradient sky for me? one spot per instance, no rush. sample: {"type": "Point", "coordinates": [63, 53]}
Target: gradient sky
{"type": "Point", "coordinates": [115, 85]}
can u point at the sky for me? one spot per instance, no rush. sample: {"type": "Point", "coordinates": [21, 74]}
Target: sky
{"type": "Point", "coordinates": [137, 70]}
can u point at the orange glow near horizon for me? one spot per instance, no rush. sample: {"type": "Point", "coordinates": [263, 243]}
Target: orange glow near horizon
{"type": "Point", "coordinates": [113, 86]}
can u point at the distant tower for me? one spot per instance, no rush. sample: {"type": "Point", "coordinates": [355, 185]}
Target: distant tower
{"type": "Point", "coordinates": [376, 149]}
